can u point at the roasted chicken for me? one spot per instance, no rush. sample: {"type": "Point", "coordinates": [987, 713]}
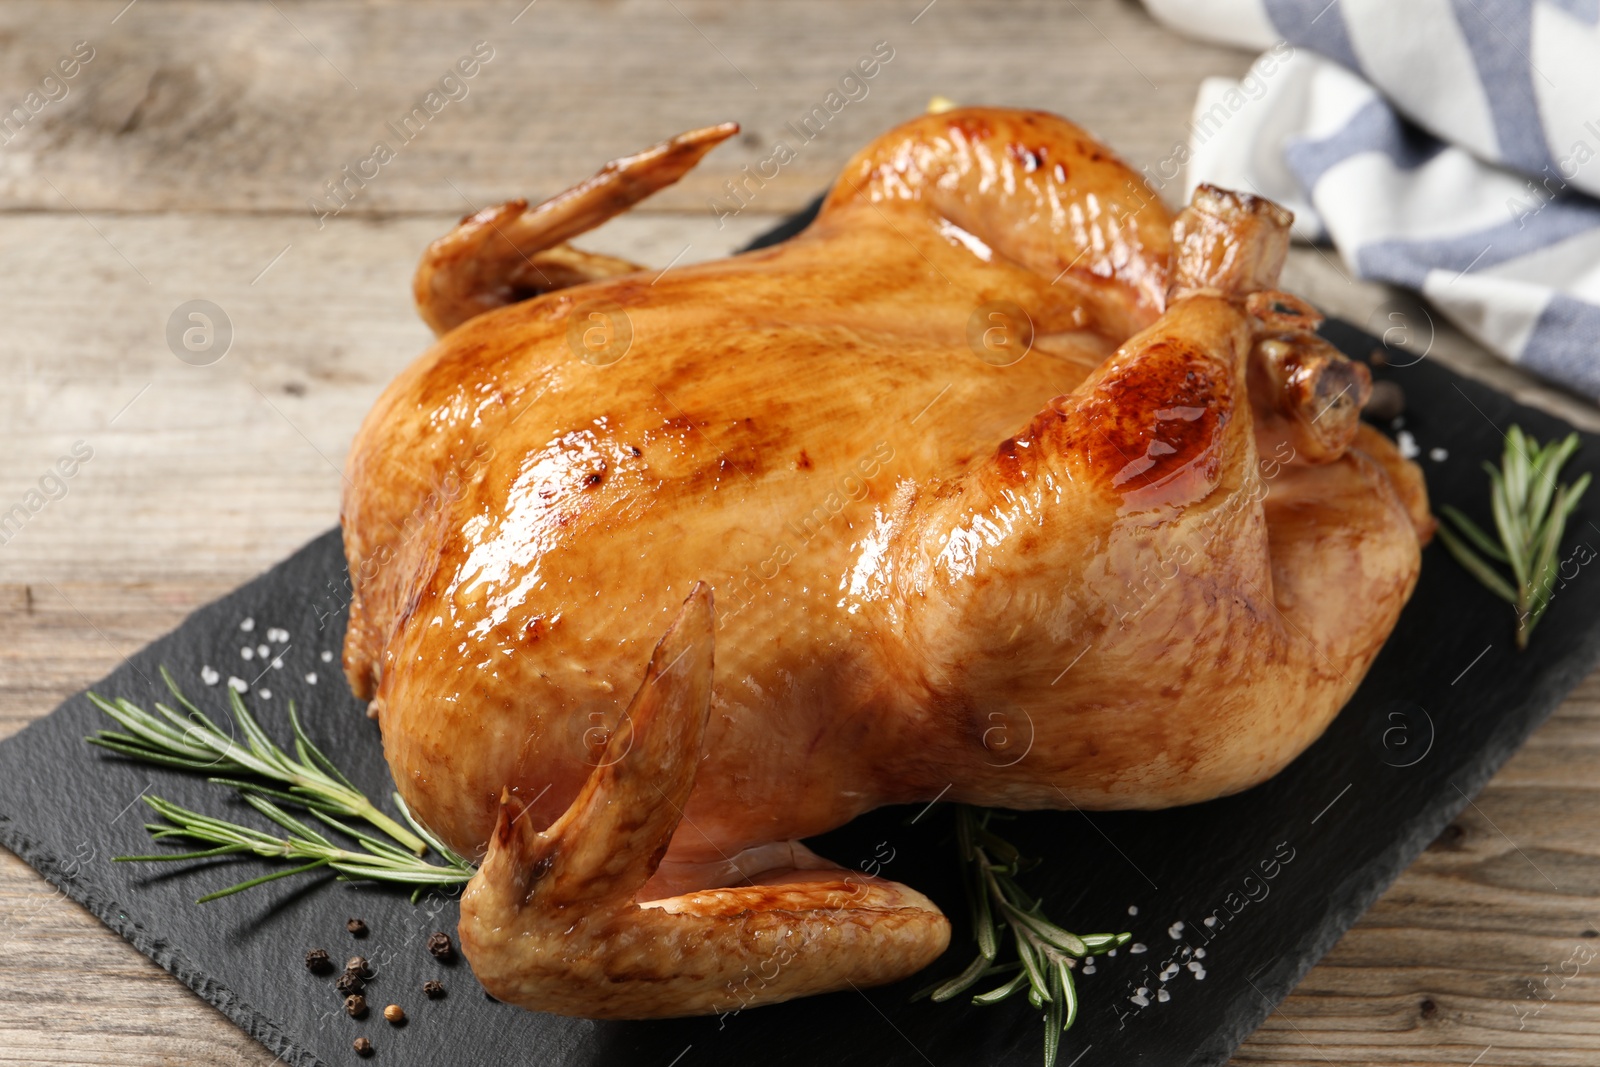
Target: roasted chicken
{"type": "Point", "coordinates": [999, 483]}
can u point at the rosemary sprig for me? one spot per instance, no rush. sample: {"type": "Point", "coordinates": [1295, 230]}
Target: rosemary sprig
{"type": "Point", "coordinates": [193, 742]}
{"type": "Point", "coordinates": [1530, 514]}
{"type": "Point", "coordinates": [313, 783]}
{"type": "Point", "coordinates": [1045, 952]}
{"type": "Point", "coordinates": [379, 861]}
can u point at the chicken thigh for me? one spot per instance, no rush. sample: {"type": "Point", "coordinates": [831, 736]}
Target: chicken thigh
{"type": "Point", "coordinates": [998, 484]}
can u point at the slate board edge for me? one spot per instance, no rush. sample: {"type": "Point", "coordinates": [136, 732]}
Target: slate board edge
{"type": "Point", "coordinates": [105, 908]}
{"type": "Point", "coordinates": [1352, 898]}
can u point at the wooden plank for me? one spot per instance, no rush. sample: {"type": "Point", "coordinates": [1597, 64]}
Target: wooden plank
{"type": "Point", "coordinates": [200, 107]}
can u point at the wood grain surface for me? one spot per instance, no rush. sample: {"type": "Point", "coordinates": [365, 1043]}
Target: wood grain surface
{"type": "Point", "coordinates": [181, 164]}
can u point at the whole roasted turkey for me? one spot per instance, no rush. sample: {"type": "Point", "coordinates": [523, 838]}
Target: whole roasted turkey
{"type": "Point", "coordinates": [998, 483]}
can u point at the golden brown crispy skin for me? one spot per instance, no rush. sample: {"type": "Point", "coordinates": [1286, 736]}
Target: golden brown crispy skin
{"type": "Point", "coordinates": [1143, 565]}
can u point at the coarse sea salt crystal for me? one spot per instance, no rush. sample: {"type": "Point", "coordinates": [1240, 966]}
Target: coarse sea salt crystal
{"type": "Point", "coordinates": [327, 657]}
{"type": "Point", "coordinates": [277, 663]}
{"type": "Point", "coordinates": [247, 652]}
{"type": "Point", "coordinates": [1408, 445]}
{"type": "Point", "coordinates": [277, 635]}
{"type": "Point", "coordinates": [311, 677]}
{"type": "Point", "coordinates": [1175, 931]}
{"type": "Point", "coordinates": [1111, 952]}
{"type": "Point", "coordinates": [1438, 455]}
{"type": "Point", "coordinates": [1133, 909]}
{"type": "Point", "coordinates": [1088, 968]}
{"type": "Point", "coordinates": [265, 694]}
{"type": "Point", "coordinates": [1136, 948]}
{"type": "Point", "coordinates": [1163, 996]}
{"type": "Point", "coordinates": [1211, 920]}
{"type": "Point", "coordinates": [238, 685]}
{"type": "Point", "coordinates": [247, 625]}
{"type": "Point", "coordinates": [1141, 1000]}
{"type": "Point", "coordinates": [263, 651]}
{"type": "Point", "coordinates": [1200, 953]}
{"type": "Point", "coordinates": [1168, 971]}
{"type": "Point", "coordinates": [1200, 974]}
{"type": "Point", "coordinates": [209, 676]}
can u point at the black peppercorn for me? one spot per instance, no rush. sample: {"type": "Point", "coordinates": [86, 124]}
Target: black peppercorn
{"type": "Point", "coordinates": [349, 983]}
{"type": "Point", "coordinates": [317, 961]}
{"type": "Point", "coordinates": [433, 988]}
{"type": "Point", "coordinates": [363, 1047]}
{"type": "Point", "coordinates": [357, 965]}
{"type": "Point", "coordinates": [356, 927]}
{"type": "Point", "coordinates": [355, 1005]}
{"type": "Point", "coordinates": [440, 947]}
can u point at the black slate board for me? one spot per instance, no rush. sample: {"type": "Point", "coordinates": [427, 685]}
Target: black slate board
{"type": "Point", "coordinates": [1282, 871]}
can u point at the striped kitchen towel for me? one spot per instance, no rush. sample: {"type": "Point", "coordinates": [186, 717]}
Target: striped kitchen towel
{"type": "Point", "coordinates": [1448, 146]}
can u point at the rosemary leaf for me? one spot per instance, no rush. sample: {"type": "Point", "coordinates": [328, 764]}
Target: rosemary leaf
{"type": "Point", "coordinates": [961, 982]}
{"type": "Point", "coordinates": [450, 855]}
{"type": "Point", "coordinates": [1054, 1020]}
{"type": "Point", "coordinates": [1069, 995]}
{"type": "Point", "coordinates": [988, 936]}
{"type": "Point", "coordinates": [260, 744]}
{"type": "Point", "coordinates": [263, 880]}
{"type": "Point", "coordinates": [305, 746]}
{"type": "Point", "coordinates": [1547, 544]}
{"type": "Point", "coordinates": [1028, 953]}
{"type": "Point", "coordinates": [1517, 466]}
{"type": "Point", "coordinates": [995, 996]}
{"type": "Point", "coordinates": [168, 857]}
{"type": "Point", "coordinates": [1545, 464]}
{"type": "Point", "coordinates": [1098, 943]}
{"type": "Point", "coordinates": [1480, 570]}
{"type": "Point", "coordinates": [1506, 522]}
{"type": "Point", "coordinates": [1474, 533]}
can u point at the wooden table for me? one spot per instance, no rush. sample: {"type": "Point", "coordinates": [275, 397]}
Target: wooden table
{"type": "Point", "coordinates": [181, 163]}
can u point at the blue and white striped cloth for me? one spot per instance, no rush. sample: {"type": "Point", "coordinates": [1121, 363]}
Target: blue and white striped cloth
{"type": "Point", "coordinates": [1448, 146]}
